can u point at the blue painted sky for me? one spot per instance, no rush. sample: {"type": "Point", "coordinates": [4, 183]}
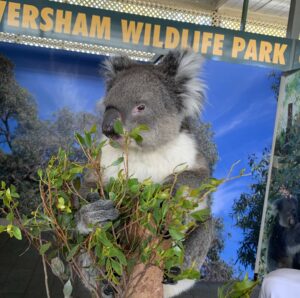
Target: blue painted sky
{"type": "Point", "coordinates": [240, 105]}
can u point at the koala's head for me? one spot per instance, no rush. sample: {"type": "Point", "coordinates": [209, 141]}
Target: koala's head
{"type": "Point", "coordinates": [160, 96]}
{"type": "Point", "coordinates": [287, 211]}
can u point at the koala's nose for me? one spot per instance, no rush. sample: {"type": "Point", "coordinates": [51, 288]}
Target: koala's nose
{"type": "Point", "coordinates": [110, 117]}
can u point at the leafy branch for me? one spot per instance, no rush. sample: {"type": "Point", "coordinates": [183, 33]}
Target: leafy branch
{"type": "Point", "coordinates": [150, 229]}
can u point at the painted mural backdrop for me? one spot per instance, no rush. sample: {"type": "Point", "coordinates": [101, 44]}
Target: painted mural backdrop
{"type": "Point", "coordinates": [46, 95]}
{"type": "Point", "coordinates": [281, 231]}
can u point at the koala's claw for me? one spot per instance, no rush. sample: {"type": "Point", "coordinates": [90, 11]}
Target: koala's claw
{"type": "Point", "coordinates": [168, 280]}
{"type": "Point", "coordinates": [95, 213]}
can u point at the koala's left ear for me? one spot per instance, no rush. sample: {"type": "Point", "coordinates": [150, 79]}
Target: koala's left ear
{"type": "Point", "coordinates": [115, 65]}
{"type": "Point", "coordinates": [184, 66]}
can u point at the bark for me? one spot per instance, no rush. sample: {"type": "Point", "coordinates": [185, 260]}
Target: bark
{"type": "Point", "coordinates": [145, 281]}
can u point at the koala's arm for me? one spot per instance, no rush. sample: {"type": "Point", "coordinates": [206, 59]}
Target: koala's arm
{"type": "Point", "coordinates": [199, 240]}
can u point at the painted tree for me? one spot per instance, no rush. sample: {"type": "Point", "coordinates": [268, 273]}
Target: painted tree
{"type": "Point", "coordinates": [28, 142]}
{"type": "Point", "coordinates": [247, 210]}
{"type": "Point", "coordinates": [17, 107]}
{"type": "Point", "coordinates": [214, 268]}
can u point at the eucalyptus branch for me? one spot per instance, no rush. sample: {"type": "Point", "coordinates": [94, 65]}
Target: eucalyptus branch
{"type": "Point", "coordinates": [45, 273]}
{"type": "Point", "coordinates": [147, 211]}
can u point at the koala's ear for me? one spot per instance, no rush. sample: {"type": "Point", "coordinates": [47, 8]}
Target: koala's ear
{"type": "Point", "coordinates": [113, 66]}
{"type": "Point", "coordinates": [185, 66]}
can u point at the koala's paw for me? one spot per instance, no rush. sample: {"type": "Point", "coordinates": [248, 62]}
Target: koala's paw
{"type": "Point", "coordinates": [95, 213]}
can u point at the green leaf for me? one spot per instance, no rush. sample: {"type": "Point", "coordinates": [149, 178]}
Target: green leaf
{"type": "Point", "coordinates": [176, 235]}
{"type": "Point", "coordinates": [135, 188]}
{"type": "Point", "coordinates": [17, 232]}
{"type": "Point", "coordinates": [44, 247]}
{"type": "Point", "coordinates": [114, 252]}
{"type": "Point", "coordinates": [236, 289]}
{"type": "Point", "coordinates": [88, 139]}
{"type": "Point", "coordinates": [114, 144]}
{"type": "Point", "coordinates": [195, 193]}
{"type": "Point", "coordinates": [112, 195]}
{"type": "Point", "coordinates": [157, 214]}
{"type": "Point", "coordinates": [108, 265]}
{"type": "Point", "coordinates": [15, 195]}
{"type": "Point", "coordinates": [9, 230]}
{"type": "Point", "coordinates": [101, 145]}
{"type": "Point", "coordinates": [138, 138]}
{"type": "Point", "coordinates": [187, 204]}
{"type": "Point", "coordinates": [40, 173]}
{"type": "Point", "coordinates": [76, 170]}
{"type": "Point", "coordinates": [201, 215]}
{"type": "Point", "coordinates": [117, 267]}
{"type": "Point", "coordinates": [188, 274]}
{"type": "Point", "coordinates": [3, 185]}
{"type": "Point", "coordinates": [136, 131]}
{"type": "Point", "coordinates": [61, 203]}
{"type": "Point", "coordinates": [103, 239]}
{"type": "Point", "coordinates": [216, 182]}
{"type": "Point", "coordinates": [133, 181]}
{"type": "Point", "coordinates": [72, 252]}
{"type": "Point", "coordinates": [68, 289]}
{"type": "Point", "coordinates": [100, 235]}
{"type": "Point", "coordinates": [164, 209]}
{"type": "Point", "coordinates": [142, 127]}
{"type": "Point", "coordinates": [118, 127]}
{"type": "Point", "coordinates": [118, 161]}
{"type": "Point", "coordinates": [8, 195]}
{"type": "Point", "coordinates": [10, 217]}
{"type": "Point", "coordinates": [107, 226]}
{"type": "Point", "coordinates": [57, 266]}
{"type": "Point", "coordinates": [93, 129]}
{"type": "Point", "coordinates": [2, 229]}
{"type": "Point", "coordinates": [80, 139]}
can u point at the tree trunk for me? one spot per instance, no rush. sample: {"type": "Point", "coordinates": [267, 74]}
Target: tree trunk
{"type": "Point", "coordinates": [145, 282]}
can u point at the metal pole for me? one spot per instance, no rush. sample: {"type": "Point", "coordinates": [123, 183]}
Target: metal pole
{"type": "Point", "coordinates": [244, 14]}
{"type": "Point", "coordinates": [293, 28]}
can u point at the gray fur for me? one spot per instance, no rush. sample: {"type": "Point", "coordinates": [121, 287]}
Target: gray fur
{"type": "Point", "coordinates": [173, 96]}
{"type": "Point", "coordinates": [97, 212]}
{"type": "Point", "coordinates": [284, 242]}
{"type": "Point", "coordinates": [171, 90]}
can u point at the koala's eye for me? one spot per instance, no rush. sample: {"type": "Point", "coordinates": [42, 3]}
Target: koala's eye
{"type": "Point", "coordinates": [141, 107]}
{"type": "Point", "coordinates": [138, 109]}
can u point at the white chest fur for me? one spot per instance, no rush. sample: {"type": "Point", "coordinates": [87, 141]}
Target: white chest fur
{"type": "Point", "coordinates": [157, 164]}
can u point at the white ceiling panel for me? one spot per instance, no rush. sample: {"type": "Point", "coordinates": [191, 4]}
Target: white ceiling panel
{"type": "Point", "coordinates": [269, 7]}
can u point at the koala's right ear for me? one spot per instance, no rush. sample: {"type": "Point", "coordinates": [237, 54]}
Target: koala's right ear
{"type": "Point", "coordinates": [184, 67]}
{"type": "Point", "coordinates": [113, 66]}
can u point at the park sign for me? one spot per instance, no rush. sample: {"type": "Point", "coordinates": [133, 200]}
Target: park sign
{"type": "Point", "coordinates": [61, 21]}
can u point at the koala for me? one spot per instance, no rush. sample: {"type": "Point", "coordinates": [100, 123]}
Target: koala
{"type": "Point", "coordinates": [168, 97]}
{"type": "Point", "coordinates": [284, 242]}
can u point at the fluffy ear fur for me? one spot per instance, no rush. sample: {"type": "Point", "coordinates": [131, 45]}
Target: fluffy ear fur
{"type": "Point", "coordinates": [184, 66]}
{"type": "Point", "coordinates": [115, 65]}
